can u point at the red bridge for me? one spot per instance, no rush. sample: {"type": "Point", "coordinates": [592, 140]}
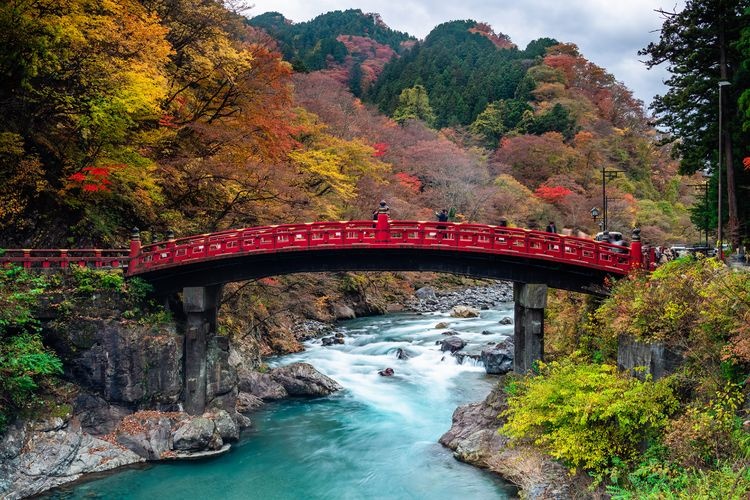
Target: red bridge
{"type": "Point", "coordinates": [385, 245]}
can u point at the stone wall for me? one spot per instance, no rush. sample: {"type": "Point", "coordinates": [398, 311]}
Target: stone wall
{"type": "Point", "coordinates": [658, 359]}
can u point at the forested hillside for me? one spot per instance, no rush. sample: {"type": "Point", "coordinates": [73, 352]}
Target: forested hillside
{"type": "Point", "coordinates": [179, 114]}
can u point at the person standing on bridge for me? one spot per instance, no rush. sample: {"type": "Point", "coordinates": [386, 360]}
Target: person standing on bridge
{"type": "Point", "coordinates": [383, 208]}
{"type": "Point", "coordinates": [551, 227]}
{"type": "Point", "coordinates": [442, 216]}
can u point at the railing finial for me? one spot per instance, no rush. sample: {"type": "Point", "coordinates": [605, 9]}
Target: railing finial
{"type": "Point", "coordinates": [636, 236]}
{"type": "Point", "coordinates": [170, 235]}
{"type": "Point", "coordinates": [135, 234]}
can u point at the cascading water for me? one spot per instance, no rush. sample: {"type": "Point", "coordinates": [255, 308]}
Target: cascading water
{"type": "Point", "coordinates": [375, 439]}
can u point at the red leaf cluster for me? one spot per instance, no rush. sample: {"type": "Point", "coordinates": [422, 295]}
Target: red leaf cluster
{"type": "Point", "coordinates": [92, 179]}
{"type": "Point", "coordinates": [410, 182]}
{"type": "Point", "coordinates": [381, 148]}
{"type": "Point", "coordinates": [746, 162]}
{"type": "Point", "coordinates": [552, 194]}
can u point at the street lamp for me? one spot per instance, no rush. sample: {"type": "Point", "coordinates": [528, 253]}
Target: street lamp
{"type": "Point", "coordinates": [722, 83]}
{"type": "Point", "coordinates": [595, 215]}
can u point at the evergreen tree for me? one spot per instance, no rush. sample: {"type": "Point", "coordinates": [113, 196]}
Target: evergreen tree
{"type": "Point", "coordinates": [700, 44]}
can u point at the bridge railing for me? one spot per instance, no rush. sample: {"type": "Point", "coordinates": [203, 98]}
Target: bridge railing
{"type": "Point", "coordinates": [393, 234]}
{"type": "Point", "coordinates": [65, 258]}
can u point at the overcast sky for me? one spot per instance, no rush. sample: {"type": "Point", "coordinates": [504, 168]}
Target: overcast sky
{"type": "Point", "coordinates": [608, 33]}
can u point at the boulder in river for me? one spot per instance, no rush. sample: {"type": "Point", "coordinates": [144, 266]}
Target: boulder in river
{"type": "Point", "coordinates": [402, 354]}
{"type": "Point", "coordinates": [452, 344]}
{"type": "Point", "coordinates": [507, 320]}
{"type": "Point", "coordinates": [464, 312]}
{"type": "Point", "coordinates": [498, 359]}
{"type": "Point", "coordinates": [462, 356]}
{"type": "Point", "coordinates": [440, 325]}
{"type": "Point", "coordinates": [387, 372]}
{"type": "Point", "coordinates": [302, 379]}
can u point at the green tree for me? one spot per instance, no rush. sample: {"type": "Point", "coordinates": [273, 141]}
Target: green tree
{"type": "Point", "coordinates": [414, 104]}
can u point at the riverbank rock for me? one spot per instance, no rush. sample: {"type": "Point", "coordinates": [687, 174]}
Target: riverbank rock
{"type": "Point", "coordinates": [155, 435]}
{"type": "Point", "coordinates": [426, 293]}
{"type": "Point", "coordinates": [464, 312]}
{"type": "Point", "coordinates": [452, 344]}
{"type": "Point", "coordinates": [506, 321]}
{"type": "Point", "coordinates": [247, 403]}
{"type": "Point", "coordinates": [302, 379]}
{"type": "Point", "coordinates": [479, 297]}
{"type": "Point", "coordinates": [260, 385]}
{"type": "Point", "coordinates": [37, 456]}
{"type": "Point", "coordinates": [474, 439]}
{"type": "Point", "coordinates": [97, 416]}
{"type": "Point", "coordinates": [342, 311]}
{"type": "Point", "coordinates": [197, 434]}
{"type": "Point", "coordinates": [498, 359]}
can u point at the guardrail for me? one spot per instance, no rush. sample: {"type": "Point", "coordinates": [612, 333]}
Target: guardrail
{"type": "Point", "coordinates": [383, 234]}
{"type": "Point", "coordinates": [30, 258]}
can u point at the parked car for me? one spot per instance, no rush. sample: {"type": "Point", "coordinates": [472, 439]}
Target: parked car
{"type": "Point", "coordinates": [680, 250]}
{"type": "Point", "coordinates": [613, 237]}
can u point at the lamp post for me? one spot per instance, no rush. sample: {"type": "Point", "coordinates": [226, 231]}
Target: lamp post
{"type": "Point", "coordinates": [722, 83]}
{"type": "Point", "coordinates": [595, 215]}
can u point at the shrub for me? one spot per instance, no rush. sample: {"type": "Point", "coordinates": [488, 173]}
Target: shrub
{"type": "Point", "coordinates": [587, 415]}
{"type": "Point", "coordinates": [24, 361]}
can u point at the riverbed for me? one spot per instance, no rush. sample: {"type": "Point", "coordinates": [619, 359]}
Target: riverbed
{"type": "Point", "coordinates": [375, 439]}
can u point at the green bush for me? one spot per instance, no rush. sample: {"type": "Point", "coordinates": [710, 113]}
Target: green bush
{"type": "Point", "coordinates": [24, 361]}
{"type": "Point", "coordinates": [586, 415]}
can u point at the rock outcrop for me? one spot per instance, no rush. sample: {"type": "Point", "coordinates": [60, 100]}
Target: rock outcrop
{"type": "Point", "coordinates": [260, 385]}
{"type": "Point", "coordinates": [41, 455]}
{"type": "Point", "coordinates": [474, 439]}
{"type": "Point", "coordinates": [124, 363]}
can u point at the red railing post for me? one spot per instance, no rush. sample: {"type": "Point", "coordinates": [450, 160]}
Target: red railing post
{"type": "Point", "coordinates": [26, 258]}
{"type": "Point", "coordinates": [64, 259]}
{"type": "Point", "coordinates": [636, 257]}
{"type": "Point", "coordinates": [382, 228]}
{"type": "Point", "coordinates": [135, 250]}
{"type": "Point", "coordinates": [98, 262]}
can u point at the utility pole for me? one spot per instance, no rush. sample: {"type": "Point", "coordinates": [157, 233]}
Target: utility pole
{"type": "Point", "coordinates": [607, 175]}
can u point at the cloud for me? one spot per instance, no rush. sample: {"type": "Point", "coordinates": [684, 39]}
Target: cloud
{"type": "Point", "coordinates": [607, 33]}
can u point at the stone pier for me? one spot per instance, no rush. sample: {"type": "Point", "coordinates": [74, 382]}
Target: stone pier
{"type": "Point", "coordinates": [528, 336]}
{"type": "Point", "coordinates": [201, 305]}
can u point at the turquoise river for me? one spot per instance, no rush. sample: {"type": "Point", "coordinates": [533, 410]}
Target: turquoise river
{"type": "Point", "coordinates": [376, 439]}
